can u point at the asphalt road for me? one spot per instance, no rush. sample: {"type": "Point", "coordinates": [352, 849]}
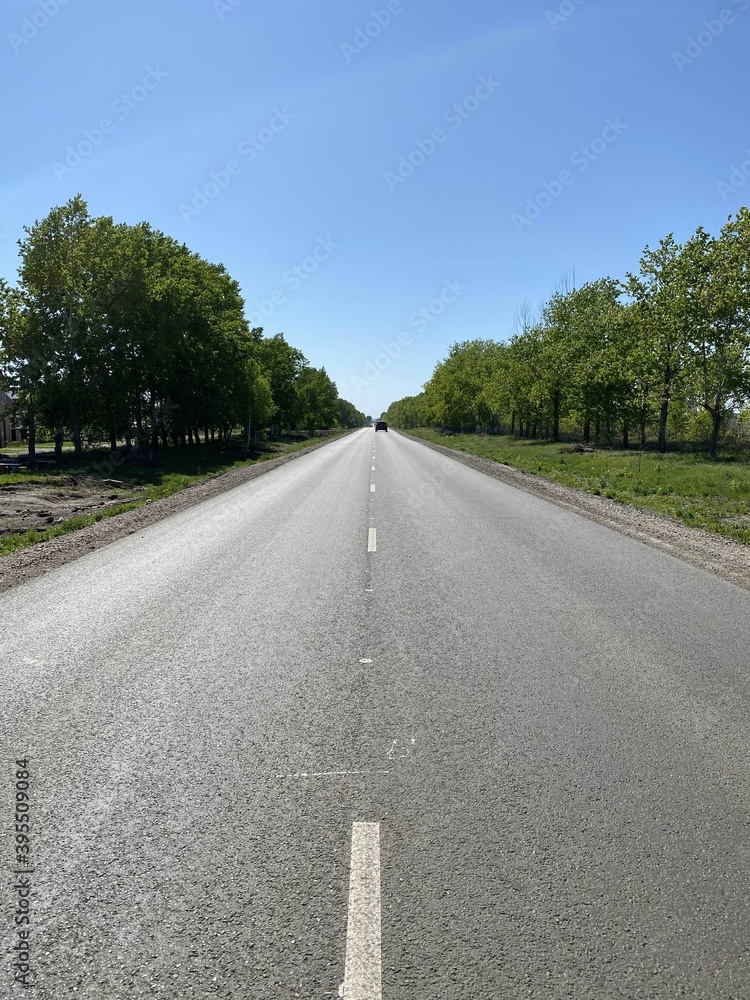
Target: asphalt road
{"type": "Point", "coordinates": [488, 750]}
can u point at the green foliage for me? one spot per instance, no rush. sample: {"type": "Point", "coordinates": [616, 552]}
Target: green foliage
{"type": "Point", "coordinates": [121, 333]}
{"type": "Point", "coordinates": [317, 400]}
{"type": "Point", "coordinates": [348, 416]}
{"type": "Point", "coordinates": [613, 359]}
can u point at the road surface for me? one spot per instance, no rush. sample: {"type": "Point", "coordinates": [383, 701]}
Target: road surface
{"type": "Point", "coordinates": [377, 725]}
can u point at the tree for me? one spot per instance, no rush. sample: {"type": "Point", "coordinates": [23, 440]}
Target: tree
{"type": "Point", "coordinates": [715, 276]}
{"type": "Point", "coordinates": [659, 295]}
{"type": "Point", "coordinates": [56, 281]}
{"type": "Point", "coordinates": [316, 399]}
{"type": "Point", "coordinates": [261, 406]}
{"type": "Point", "coordinates": [348, 415]}
{"type": "Point", "coordinates": [282, 364]}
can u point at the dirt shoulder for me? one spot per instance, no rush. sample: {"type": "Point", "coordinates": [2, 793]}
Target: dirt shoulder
{"type": "Point", "coordinates": [63, 499]}
{"type": "Point", "coordinates": [726, 558]}
{"type": "Point", "coordinates": [25, 506]}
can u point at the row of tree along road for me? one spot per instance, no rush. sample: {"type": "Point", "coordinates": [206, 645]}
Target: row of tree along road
{"type": "Point", "coordinates": [121, 333]}
{"type": "Point", "coordinates": [664, 352]}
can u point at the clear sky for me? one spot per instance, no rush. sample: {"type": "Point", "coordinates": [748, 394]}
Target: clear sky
{"type": "Point", "coordinates": [268, 135]}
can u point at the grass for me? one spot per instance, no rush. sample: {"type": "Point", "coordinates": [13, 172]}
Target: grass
{"type": "Point", "coordinates": [175, 469]}
{"type": "Point", "coordinates": [712, 495]}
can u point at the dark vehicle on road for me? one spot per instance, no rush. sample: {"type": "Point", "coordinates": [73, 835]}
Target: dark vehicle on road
{"type": "Point", "coordinates": [381, 425]}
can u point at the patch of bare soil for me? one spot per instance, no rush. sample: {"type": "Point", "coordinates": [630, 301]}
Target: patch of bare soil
{"type": "Point", "coordinates": [28, 506]}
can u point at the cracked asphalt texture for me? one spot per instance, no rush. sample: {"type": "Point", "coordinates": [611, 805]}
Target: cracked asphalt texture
{"type": "Point", "coordinates": [562, 713]}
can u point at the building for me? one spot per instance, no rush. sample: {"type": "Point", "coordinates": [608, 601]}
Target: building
{"type": "Point", "coordinates": [10, 426]}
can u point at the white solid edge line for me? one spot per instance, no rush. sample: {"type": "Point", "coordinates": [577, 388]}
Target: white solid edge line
{"type": "Point", "coordinates": [371, 540]}
{"type": "Point", "coordinates": [363, 965]}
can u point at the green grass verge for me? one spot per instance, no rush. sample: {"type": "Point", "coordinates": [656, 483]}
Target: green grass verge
{"type": "Point", "coordinates": [712, 495]}
{"type": "Point", "coordinates": [175, 470]}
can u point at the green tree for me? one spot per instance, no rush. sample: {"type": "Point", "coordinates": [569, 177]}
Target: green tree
{"type": "Point", "coordinates": [316, 399]}
{"type": "Point", "coordinates": [717, 287]}
{"type": "Point", "coordinates": [659, 294]}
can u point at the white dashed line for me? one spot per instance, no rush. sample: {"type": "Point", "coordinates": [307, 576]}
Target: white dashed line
{"type": "Point", "coordinates": [372, 469]}
{"type": "Point", "coordinates": [326, 774]}
{"type": "Point", "coordinates": [371, 540]}
{"type": "Point", "coordinates": [372, 487]}
{"type": "Point", "coordinates": [363, 966]}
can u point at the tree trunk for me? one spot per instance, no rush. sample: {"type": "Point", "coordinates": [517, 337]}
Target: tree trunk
{"type": "Point", "coordinates": [663, 414]}
{"type": "Point", "coordinates": [58, 442]}
{"type": "Point", "coordinates": [31, 418]}
{"type": "Point", "coordinates": [513, 423]}
{"type": "Point", "coordinates": [713, 446]}
{"type": "Point", "coordinates": [77, 440]}
{"type": "Point", "coordinates": [586, 431]}
{"type": "Point", "coordinates": [556, 417]}
{"type": "Point", "coordinates": [625, 434]}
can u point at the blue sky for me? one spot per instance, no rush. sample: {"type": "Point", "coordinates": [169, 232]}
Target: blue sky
{"type": "Point", "coordinates": [532, 138]}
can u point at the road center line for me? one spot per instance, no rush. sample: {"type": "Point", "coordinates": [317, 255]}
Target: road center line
{"type": "Point", "coordinates": [372, 487]}
{"type": "Point", "coordinates": [363, 965]}
{"type": "Point", "coordinates": [371, 540]}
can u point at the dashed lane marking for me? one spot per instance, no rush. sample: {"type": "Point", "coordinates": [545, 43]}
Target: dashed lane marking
{"type": "Point", "coordinates": [326, 774]}
{"type": "Point", "coordinates": [371, 542]}
{"type": "Point", "coordinates": [363, 964]}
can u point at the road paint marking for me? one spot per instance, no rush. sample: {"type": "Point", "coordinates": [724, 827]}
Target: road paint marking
{"type": "Point", "coordinates": [399, 750]}
{"type": "Point", "coordinates": [365, 660]}
{"type": "Point", "coordinates": [371, 540]}
{"type": "Point", "coordinates": [326, 774]}
{"type": "Point", "coordinates": [363, 965]}
{"type": "Point", "coordinates": [372, 487]}
{"type": "Point", "coordinates": [372, 469]}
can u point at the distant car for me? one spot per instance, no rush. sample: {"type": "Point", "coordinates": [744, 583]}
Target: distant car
{"type": "Point", "coordinates": [381, 425]}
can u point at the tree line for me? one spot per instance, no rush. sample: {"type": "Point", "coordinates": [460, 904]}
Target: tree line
{"type": "Point", "coordinates": [664, 351]}
{"type": "Point", "coordinates": [120, 333]}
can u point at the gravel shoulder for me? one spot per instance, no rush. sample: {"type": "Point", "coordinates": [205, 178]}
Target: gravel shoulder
{"type": "Point", "coordinates": [35, 560]}
{"type": "Point", "coordinates": [726, 558]}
